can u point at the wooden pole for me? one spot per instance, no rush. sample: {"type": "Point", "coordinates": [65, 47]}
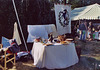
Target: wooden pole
{"type": "Point", "coordinates": [19, 24]}
{"type": "Point", "coordinates": [5, 61]}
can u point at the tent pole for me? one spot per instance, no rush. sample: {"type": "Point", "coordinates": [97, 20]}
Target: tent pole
{"type": "Point", "coordinates": [19, 24]}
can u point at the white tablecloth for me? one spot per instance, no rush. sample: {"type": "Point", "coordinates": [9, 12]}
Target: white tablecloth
{"type": "Point", "coordinates": [54, 56]}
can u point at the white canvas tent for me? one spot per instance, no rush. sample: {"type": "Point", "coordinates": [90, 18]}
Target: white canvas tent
{"type": "Point", "coordinates": [90, 12]}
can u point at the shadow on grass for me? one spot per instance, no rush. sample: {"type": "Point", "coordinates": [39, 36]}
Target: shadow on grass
{"type": "Point", "coordinates": [90, 62]}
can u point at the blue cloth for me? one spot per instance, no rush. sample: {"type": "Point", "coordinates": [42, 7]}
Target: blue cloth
{"type": "Point", "coordinates": [14, 48]}
{"type": "Point", "coordinates": [5, 42]}
{"type": "Point", "coordinates": [36, 31]}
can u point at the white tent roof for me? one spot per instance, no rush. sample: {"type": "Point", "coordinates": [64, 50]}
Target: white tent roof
{"type": "Point", "coordinates": [90, 12]}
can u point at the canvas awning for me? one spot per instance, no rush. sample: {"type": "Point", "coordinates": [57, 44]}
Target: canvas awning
{"type": "Point", "coordinates": [91, 12]}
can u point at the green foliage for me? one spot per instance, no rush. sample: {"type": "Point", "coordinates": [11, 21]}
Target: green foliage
{"type": "Point", "coordinates": [74, 3]}
{"type": "Point", "coordinates": [30, 12]}
{"type": "Point", "coordinates": [81, 3]}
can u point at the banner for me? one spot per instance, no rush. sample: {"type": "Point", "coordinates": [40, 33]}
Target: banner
{"type": "Point", "coordinates": [63, 20]}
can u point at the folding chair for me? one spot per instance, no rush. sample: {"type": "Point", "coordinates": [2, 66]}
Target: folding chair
{"type": "Point", "coordinates": [5, 58]}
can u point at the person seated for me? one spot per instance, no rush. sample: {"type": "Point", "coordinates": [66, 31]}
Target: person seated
{"type": "Point", "coordinates": [61, 38]}
{"type": "Point", "coordinates": [96, 35]}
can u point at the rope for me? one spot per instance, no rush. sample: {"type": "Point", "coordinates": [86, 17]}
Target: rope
{"type": "Point", "coordinates": [19, 24]}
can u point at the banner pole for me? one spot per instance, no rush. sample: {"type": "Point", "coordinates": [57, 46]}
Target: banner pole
{"type": "Point", "coordinates": [19, 24]}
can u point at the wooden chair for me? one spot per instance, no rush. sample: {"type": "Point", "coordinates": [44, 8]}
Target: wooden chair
{"type": "Point", "coordinates": [0, 46]}
{"type": "Point", "coordinates": [5, 58]}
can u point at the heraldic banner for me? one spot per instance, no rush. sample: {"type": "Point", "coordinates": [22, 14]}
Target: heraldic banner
{"type": "Point", "coordinates": [63, 20]}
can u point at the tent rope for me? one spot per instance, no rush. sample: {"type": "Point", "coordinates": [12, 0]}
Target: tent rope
{"type": "Point", "coordinates": [19, 24]}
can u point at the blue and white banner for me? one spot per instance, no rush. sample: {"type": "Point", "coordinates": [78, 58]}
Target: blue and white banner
{"type": "Point", "coordinates": [63, 20]}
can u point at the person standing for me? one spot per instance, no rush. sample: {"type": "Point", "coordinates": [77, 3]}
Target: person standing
{"type": "Point", "coordinates": [90, 27]}
{"type": "Point", "coordinates": [83, 29]}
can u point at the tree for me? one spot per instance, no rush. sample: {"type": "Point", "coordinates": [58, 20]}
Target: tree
{"type": "Point", "coordinates": [81, 3]}
{"type": "Point", "coordinates": [29, 11]}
